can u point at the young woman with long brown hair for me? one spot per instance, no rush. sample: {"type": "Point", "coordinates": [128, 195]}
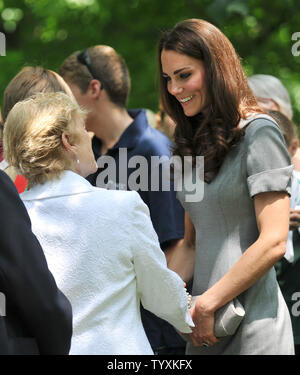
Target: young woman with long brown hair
{"type": "Point", "coordinates": [238, 231]}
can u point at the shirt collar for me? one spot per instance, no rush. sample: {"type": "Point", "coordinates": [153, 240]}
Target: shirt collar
{"type": "Point", "coordinates": [69, 183]}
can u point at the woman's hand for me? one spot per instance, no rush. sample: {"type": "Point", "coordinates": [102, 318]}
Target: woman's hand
{"type": "Point", "coordinates": [204, 320]}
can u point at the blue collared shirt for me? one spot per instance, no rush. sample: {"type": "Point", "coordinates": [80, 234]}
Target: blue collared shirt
{"type": "Point", "coordinates": [139, 139]}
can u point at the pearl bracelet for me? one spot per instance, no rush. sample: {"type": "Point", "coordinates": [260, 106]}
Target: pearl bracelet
{"type": "Point", "coordinates": [189, 299]}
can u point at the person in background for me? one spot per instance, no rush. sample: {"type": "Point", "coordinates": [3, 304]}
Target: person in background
{"type": "Point", "coordinates": [106, 256]}
{"type": "Point", "coordinates": [238, 231]}
{"type": "Point", "coordinates": [35, 316]}
{"type": "Point", "coordinates": [151, 117]}
{"type": "Point", "coordinates": [272, 95]}
{"type": "Point", "coordinates": [100, 81]}
{"type": "Point", "coordinates": [288, 267]}
{"type": "Point", "coordinates": [161, 121]}
{"type": "Point", "coordinates": [165, 124]}
{"type": "Point", "coordinates": [29, 81]}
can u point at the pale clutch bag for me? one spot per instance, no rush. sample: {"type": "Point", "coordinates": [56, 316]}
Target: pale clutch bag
{"type": "Point", "coordinates": [227, 318]}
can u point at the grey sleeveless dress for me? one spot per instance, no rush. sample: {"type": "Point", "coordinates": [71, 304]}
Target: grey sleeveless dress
{"type": "Point", "coordinates": [225, 225]}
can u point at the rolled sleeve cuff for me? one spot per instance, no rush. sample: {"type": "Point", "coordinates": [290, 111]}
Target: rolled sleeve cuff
{"type": "Point", "coordinates": [272, 180]}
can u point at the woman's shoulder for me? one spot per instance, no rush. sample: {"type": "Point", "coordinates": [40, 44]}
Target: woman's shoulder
{"type": "Point", "coordinates": [121, 198]}
{"type": "Point", "coordinates": [257, 120]}
{"type": "Point", "coordinates": [260, 126]}
{"type": "Point", "coordinates": [120, 204]}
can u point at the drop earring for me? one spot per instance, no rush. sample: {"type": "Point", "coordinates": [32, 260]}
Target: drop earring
{"type": "Point", "coordinates": [76, 157]}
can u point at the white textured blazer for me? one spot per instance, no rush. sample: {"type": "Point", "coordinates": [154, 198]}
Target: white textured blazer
{"type": "Point", "coordinates": [104, 254]}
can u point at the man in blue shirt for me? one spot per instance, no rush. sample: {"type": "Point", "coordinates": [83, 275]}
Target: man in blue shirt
{"type": "Point", "coordinates": [125, 146]}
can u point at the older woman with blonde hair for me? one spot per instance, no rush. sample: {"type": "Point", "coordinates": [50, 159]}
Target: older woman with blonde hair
{"type": "Point", "coordinates": [100, 244]}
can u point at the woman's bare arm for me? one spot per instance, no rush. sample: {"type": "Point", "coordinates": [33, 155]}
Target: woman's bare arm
{"type": "Point", "coordinates": [181, 258]}
{"type": "Point", "coordinates": [272, 216]}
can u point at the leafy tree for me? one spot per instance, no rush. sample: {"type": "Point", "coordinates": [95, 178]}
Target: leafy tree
{"type": "Point", "coordinates": [45, 32]}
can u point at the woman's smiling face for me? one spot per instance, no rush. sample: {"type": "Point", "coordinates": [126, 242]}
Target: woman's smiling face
{"type": "Point", "coordinates": [185, 78]}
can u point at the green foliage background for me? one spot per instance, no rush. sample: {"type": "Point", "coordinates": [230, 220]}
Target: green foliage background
{"type": "Point", "coordinates": [45, 32]}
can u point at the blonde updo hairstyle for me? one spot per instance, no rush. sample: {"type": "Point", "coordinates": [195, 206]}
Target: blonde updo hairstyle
{"type": "Point", "coordinates": [32, 136]}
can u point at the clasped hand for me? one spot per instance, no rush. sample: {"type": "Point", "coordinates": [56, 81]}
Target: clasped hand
{"type": "Point", "coordinates": [204, 320]}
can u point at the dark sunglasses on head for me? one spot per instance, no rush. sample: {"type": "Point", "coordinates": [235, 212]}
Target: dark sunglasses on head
{"type": "Point", "coordinates": [84, 58]}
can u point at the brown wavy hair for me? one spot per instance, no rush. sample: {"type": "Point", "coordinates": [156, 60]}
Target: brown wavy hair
{"type": "Point", "coordinates": [108, 65]}
{"type": "Point", "coordinates": [229, 97]}
{"type": "Point", "coordinates": [29, 81]}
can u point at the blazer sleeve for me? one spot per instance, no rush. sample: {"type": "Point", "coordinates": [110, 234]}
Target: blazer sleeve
{"type": "Point", "coordinates": [161, 290]}
{"type": "Point", "coordinates": [25, 279]}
